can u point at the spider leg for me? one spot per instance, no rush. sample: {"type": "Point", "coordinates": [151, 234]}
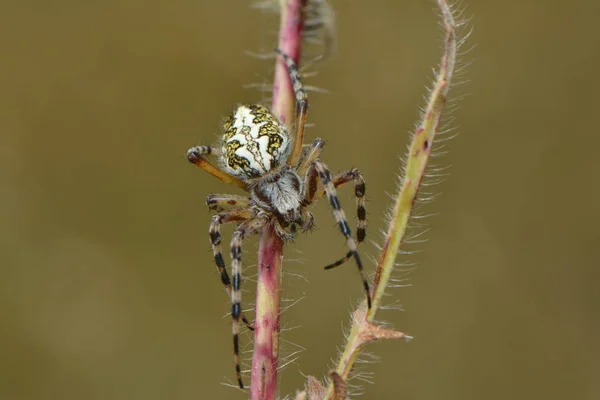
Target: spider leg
{"type": "Point", "coordinates": [310, 155]}
{"type": "Point", "coordinates": [221, 202]}
{"type": "Point", "coordinates": [196, 155]}
{"type": "Point", "coordinates": [340, 218]}
{"type": "Point", "coordinates": [361, 213]}
{"type": "Point", "coordinates": [247, 227]}
{"type": "Point", "coordinates": [314, 192]}
{"type": "Point", "coordinates": [215, 241]}
{"type": "Point", "coordinates": [301, 108]}
{"type": "Point", "coordinates": [309, 220]}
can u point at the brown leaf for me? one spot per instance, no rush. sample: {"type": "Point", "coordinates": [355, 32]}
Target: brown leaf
{"type": "Point", "coordinates": [316, 391]}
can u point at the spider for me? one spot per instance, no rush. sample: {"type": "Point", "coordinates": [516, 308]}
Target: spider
{"type": "Point", "coordinates": [281, 175]}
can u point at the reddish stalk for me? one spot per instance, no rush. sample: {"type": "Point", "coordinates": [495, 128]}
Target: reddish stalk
{"type": "Point", "coordinates": [265, 356]}
{"type": "Point", "coordinates": [266, 331]}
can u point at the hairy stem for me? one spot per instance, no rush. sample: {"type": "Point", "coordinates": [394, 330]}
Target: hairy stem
{"type": "Point", "coordinates": [364, 329]}
{"type": "Point", "coordinates": [417, 158]}
{"type": "Point", "coordinates": [266, 328]}
{"type": "Point", "coordinates": [290, 41]}
{"type": "Point", "coordinates": [265, 356]}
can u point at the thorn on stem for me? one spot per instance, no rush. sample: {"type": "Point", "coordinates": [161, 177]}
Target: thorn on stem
{"type": "Point", "coordinates": [339, 386]}
{"type": "Point", "coordinates": [301, 396]}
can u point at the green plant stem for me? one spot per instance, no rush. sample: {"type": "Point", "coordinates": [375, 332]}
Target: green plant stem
{"type": "Point", "coordinates": [364, 329]}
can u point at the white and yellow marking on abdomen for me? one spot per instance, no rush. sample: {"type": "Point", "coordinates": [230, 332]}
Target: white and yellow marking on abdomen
{"type": "Point", "coordinates": [248, 132]}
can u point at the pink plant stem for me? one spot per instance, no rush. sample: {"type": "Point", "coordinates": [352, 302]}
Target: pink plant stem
{"type": "Point", "coordinates": [265, 356]}
{"type": "Point", "coordinates": [290, 40]}
{"type": "Point", "coordinates": [266, 331]}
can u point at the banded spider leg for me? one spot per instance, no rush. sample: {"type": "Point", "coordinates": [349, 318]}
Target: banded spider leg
{"type": "Point", "coordinates": [318, 170]}
{"type": "Point", "coordinates": [235, 215]}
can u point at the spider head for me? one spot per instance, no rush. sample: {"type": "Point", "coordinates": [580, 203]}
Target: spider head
{"type": "Point", "coordinates": [281, 193]}
{"type": "Point", "coordinates": [254, 142]}
{"type": "Point", "coordinates": [297, 219]}
{"type": "Point", "coordinates": [291, 219]}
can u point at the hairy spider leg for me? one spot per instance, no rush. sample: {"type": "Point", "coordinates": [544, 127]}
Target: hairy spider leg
{"type": "Point", "coordinates": [236, 215]}
{"type": "Point", "coordinates": [247, 227]}
{"type": "Point", "coordinates": [359, 191]}
{"type": "Point", "coordinates": [340, 218]}
{"type": "Point", "coordinates": [222, 202]}
{"type": "Point", "coordinates": [311, 154]}
{"type": "Point", "coordinates": [301, 108]}
{"type": "Point", "coordinates": [195, 155]}
{"type": "Point", "coordinates": [361, 212]}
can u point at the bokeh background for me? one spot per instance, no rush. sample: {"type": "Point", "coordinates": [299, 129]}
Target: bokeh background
{"type": "Point", "coordinates": [108, 290]}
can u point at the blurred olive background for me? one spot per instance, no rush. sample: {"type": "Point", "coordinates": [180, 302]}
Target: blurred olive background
{"type": "Point", "coordinates": [108, 288]}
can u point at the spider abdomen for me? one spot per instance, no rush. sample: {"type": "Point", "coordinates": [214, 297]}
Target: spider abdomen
{"type": "Point", "coordinates": [254, 142]}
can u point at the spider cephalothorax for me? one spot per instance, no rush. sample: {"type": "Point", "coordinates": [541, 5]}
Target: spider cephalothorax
{"type": "Point", "coordinates": [282, 193]}
{"type": "Point", "coordinates": [283, 177]}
